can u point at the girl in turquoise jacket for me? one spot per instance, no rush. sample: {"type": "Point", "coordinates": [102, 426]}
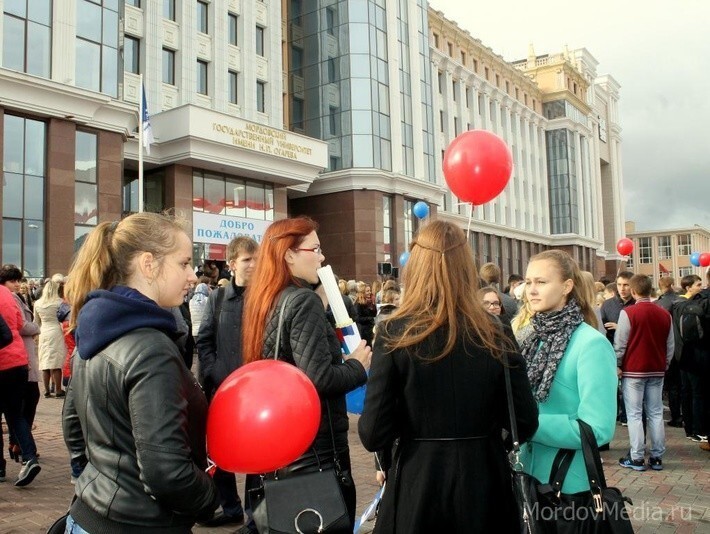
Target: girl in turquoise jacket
{"type": "Point", "coordinates": [571, 367]}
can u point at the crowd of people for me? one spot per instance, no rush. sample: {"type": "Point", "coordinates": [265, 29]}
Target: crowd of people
{"type": "Point", "coordinates": [433, 354]}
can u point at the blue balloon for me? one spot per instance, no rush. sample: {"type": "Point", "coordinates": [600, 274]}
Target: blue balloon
{"type": "Point", "coordinates": [403, 259]}
{"type": "Point", "coordinates": [421, 210]}
{"type": "Point", "coordinates": [695, 259]}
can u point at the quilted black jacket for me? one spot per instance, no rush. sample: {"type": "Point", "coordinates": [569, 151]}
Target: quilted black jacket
{"type": "Point", "coordinates": [309, 342]}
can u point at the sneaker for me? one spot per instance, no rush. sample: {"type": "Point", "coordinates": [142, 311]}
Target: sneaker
{"type": "Point", "coordinates": [29, 471]}
{"type": "Point", "coordinates": [636, 465]}
{"type": "Point", "coordinates": [624, 423]}
{"type": "Point", "coordinates": [60, 395]}
{"type": "Point", "coordinates": [697, 438]}
{"type": "Point", "coordinates": [703, 439]}
{"type": "Point", "coordinates": [655, 463]}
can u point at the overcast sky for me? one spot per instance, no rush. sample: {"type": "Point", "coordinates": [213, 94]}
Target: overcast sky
{"type": "Point", "coordinates": [659, 52]}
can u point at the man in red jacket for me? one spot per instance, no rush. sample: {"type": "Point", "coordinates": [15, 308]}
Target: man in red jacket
{"type": "Point", "coordinates": [644, 347]}
{"type": "Point", "coordinates": [13, 381]}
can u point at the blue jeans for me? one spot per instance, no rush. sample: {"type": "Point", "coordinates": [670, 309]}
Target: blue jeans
{"type": "Point", "coordinates": [73, 528]}
{"type": "Point", "coordinates": [644, 394]}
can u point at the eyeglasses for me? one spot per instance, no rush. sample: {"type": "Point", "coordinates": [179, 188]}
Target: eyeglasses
{"type": "Point", "coordinates": [315, 249]}
{"type": "Point", "coordinates": [487, 304]}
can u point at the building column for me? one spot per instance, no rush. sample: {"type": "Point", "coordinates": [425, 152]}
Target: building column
{"type": "Point", "coordinates": [110, 176]}
{"type": "Point", "coordinates": [59, 213]}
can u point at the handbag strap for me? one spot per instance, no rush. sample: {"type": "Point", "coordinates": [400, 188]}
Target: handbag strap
{"type": "Point", "coordinates": [281, 322]}
{"type": "Point", "coordinates": [516, 465]}
{"type": "Point", "coordinates": [592, 460]}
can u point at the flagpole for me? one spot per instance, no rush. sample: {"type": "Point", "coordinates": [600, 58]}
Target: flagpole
{"type": "Point", "coordinates": [140, 145]}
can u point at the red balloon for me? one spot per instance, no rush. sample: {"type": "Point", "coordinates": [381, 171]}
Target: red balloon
{"type": "Point", "coordinates": [625, 246]}
{"type": "Point", "coordinates": [263, 417]}
{"type": "Point", "coordinates": [705, 259]}
{"type": "Point", "coordinates": [477, 166]}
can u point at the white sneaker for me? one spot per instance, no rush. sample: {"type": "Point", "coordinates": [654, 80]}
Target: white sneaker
{"type": "Point", "coordinates": [29, 471]}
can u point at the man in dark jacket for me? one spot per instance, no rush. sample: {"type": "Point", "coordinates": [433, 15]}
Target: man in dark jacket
{"type": "Point", "coordinates": [671, 382]}
{"type": "Point", "coordinates": [219, 350]}
{"type": "Point", "coordinates": [610, 310]}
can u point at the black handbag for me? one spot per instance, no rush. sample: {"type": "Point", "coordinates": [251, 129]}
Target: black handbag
{"type": "Point", "coordinates": [544, 509]}
{"type": "Point", "coordinates": [301, 502]}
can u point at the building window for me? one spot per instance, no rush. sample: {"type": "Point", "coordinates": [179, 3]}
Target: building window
{"type": "Point", "coordinates": [296, 12]}
{"type": "Point", "coordinates": [684, 245]}
{"type": "Point", "coordinates": [684, 271]}
{"type": "Point", "coordinates": [463, 58]}
{"type": "Point", "coordinates": [23, 201]}
{"type": "Point", "coordinates": [333, 120]}
{"type": "Point", "coordinates": [233, 34]}
{"type": "Point", "coordinates": [441, 82]}
{"type": "Point", "coordinates": [497, 80]}
{"type": "Point", "coordinates": [261, 97]}
{"type": "Point", "coordinates": [454, 88]}
{"type": "Point", "coordinates": [507, 86]}
{"type": "Point", "coordinates": [134, 3]}
{"type": "Point", "coordinates": [27, 37]}
{"type": "Point", "coordinates": [97, 46]}
{"type": "Point", "coordinates": [485, 70]}
{"type": "Point", "coordinates": [450, 49]}
{"type": "Point", "coordinates": [409, 224]}
{"type": "Point", "coordinates": [387, 227]}
{"type": "Point", "coordinates": [131, 54]}
{"type": "Point", "coordinates": [645, 251]}
{"type": "Point", "coordinates": [202, 12]}
{"type": "Point", "coordinates": [233, 196]}
{"type": "Point", "coordinates": [233, 87]}
{"type": "Point", "coordinates": [86, 213]}
{"type": "Point", "coordinates": [297, 61]}
{"type": "Point", "coordinates": [260, 40]}
{"type": "Point", "coordinates": [436, 40]}
{"type": "Point", "coordinates": [332, 71]}
{"type": "Point", "coordinates": [330, 20]}
{"type": "Point", "coordinates": [297, 113]}
{"type": "Point", "coordinates": [168, 66]}
{"type": "Point", "coordinates": [475, 65]}
{"type": "Point", "coordinates": [664, 247]}
{"type": "Point", "coordinates": [169, 9]}
{"type": "Point", "coordinates": [202, 77]}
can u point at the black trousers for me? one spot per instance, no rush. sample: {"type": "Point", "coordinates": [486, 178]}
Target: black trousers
{"type": "Point", "coordinates": [13, 383]}
{"type": "Point", "coordinates": [672, 383]}
{"type": "Point", "coordinates": [694, 404]}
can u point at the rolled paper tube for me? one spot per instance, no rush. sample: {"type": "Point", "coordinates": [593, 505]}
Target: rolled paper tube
{"type": "Point", "coordinates": [349, 337]}
{"type": "Point", "coordinates": [335, 297]}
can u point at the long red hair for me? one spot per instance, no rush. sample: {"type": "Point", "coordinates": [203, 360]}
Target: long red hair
{"type": "Point", "coordinates": [270, 278]}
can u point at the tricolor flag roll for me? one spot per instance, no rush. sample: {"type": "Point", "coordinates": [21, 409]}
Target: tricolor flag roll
{"type": "Point", "coordinates": [347, 331]}
{"type": "Point", "coordinates": [145, 124]}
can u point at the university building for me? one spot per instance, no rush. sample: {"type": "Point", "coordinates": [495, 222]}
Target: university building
{"type": "Point", "coordinates": [264, 109]}
{"type": "Point", "coordinates": [661, 253]}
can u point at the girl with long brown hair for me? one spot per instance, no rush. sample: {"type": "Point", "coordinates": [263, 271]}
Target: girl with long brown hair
{"type": "Point", "coordinates": [437, 384]}
{"type": "Point", "coordinates": [289, 258]}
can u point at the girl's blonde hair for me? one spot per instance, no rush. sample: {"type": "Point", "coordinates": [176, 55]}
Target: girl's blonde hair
{"type": "Point", "coordinates": [105, 258]}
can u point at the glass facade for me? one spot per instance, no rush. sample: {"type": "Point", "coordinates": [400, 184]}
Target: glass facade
{"type": "Point", "coordinates": [97, 46]}
{"type": "Point", "coordinates": [562, 180]}
{"type": "Point", "coordinates": [153, 191]}
{"type": "Point", "coordinates": [86, 211]}
{"type": "Point", "coordinates": [387, 226]}
{"type": "Point", "coordinates": [27, 36]}
{"type": "Point", "coordinates": [339, 77]}
{"type": "Point", "coordinates": [24, 175]}
{"type": "Point", "coordinates": [221, 194]}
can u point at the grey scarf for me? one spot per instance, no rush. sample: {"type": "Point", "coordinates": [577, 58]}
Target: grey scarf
{"type": "Point", "coordinates": [544, 348]}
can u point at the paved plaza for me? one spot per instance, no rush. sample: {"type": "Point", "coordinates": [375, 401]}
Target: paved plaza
{"type": "Point", "coordinates": [676, 499]}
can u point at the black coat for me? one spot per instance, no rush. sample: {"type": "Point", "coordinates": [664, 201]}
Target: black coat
{"type": "Point", "coordinates": [309, 342]}
{"type": "Point", "coordinates": [219, 343]}
{"type": "Point", "coordinates": [461, 484]}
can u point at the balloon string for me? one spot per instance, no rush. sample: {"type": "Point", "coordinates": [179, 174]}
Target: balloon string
{"type": "Point", "coordinates": [470, 218]}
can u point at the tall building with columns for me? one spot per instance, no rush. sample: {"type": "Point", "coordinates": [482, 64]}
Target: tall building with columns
{"type": "Point", "coordinates": [269, 108]}
{"type": "Point", "coordinates": [561, 123]}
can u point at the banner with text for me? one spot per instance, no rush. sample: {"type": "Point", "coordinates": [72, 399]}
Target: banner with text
{"type": "Point", "coordinates": [221, 229]}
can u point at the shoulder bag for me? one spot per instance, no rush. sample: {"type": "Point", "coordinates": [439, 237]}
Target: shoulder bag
{"type": "Point", "coordinates": [301, 502]}
{"type": "Point", "coordinates": [544, 509]}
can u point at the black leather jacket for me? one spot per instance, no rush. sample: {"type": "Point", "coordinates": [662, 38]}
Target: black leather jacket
{"type": "Point", "coordinates": [309, 342]}
{"type": "Point", "coordinates": [139, 415]}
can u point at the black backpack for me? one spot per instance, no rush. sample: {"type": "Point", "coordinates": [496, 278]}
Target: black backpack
{"type": "Point", "coordinates": [690, 320]}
